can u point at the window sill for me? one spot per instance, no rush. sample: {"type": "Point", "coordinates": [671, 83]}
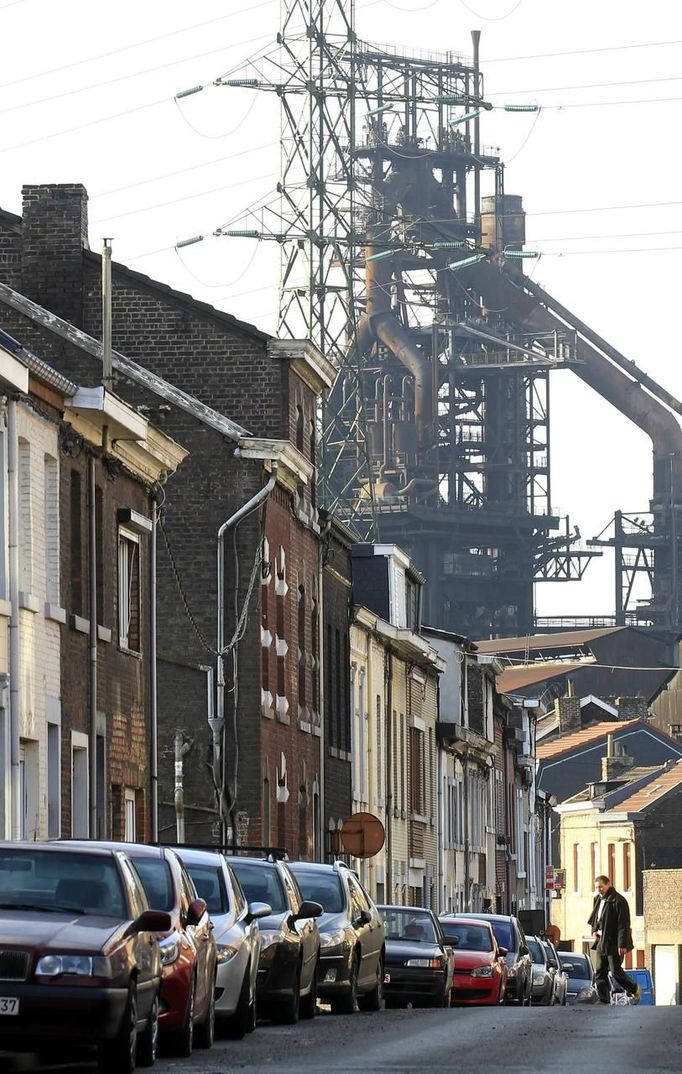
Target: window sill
{"type": "Point", "coordinates": [103, 634]}
{"type": "Point", "coordinates": [342, 755]}
{"type": "Point", "coordinates": [5, 609]}
{"type": "Point", "coordinates": [78, 623]}
{"type": "Point", "coordinates": [54, 612]}
{"type": "Point", "coordinates": [130, 652]}
{"type": "Point", "coordinates": [305, 727]}
{"type": "Point", "coordinates": [28, 602]}
{"type": "Point", "coordinates": [419, 818]}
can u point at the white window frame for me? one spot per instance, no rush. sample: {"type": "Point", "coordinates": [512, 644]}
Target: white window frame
{"type": "Point", "coordinates": [124, 579]}
{"type": "Point", "coordinates": [129, 799]}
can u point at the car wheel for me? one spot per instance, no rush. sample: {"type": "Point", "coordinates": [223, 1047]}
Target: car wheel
{"type": "Point", "coordinates": [118, 1056]}
{"type": "Point", "coordinates": [287, 1013]}
{"type": "Point", "coordinates": [374, 1000]}
{"type": "Point", "coordinates": [309, 1002]}
{"type": "Point", "coordinates": [148, 1040]}
{"type": "Point", "coordinates": [237, 1025]}
{"type": "Point", "coordinates": [183, 1041]}
{"type": "Point", "coordinates": [204, 1034]}
{"type": "Point", "coordinates": [347, 1003]}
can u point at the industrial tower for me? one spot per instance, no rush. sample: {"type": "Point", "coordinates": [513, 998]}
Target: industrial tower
{"type": "Point", "coordinates": [436, 434]}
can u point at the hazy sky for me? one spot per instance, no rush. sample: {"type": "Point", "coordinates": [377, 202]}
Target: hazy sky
{"type": "Point", "coordinates": [607, 137]}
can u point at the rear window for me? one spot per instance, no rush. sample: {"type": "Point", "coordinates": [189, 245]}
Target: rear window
{"type": "Point", "coordinates": [536, 951]}
{"type": "Point", "coordinates": [210, 885]}
{"type": "Point", "coordinates": [324, 888]}
{"type": "Point", "coordinates": [580, 969]}
{"type": "Point", "coordinates": [67, 881]}
{"type": "Point", "coordinates": [261, 883]}
{"type": "Point", "coordinates": [468, 937]}
{"type": "Point", "coordinates": [156, 881]}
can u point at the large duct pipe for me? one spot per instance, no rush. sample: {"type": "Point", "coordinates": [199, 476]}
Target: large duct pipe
{"type": "Point", "coordinates": [385, 326]}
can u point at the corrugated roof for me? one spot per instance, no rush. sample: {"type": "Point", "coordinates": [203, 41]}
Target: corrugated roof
{"type": "Point", "coordinates": [653, 792]}
{"type": "Point", "coordinates": [515, 678]}
{"type": "Point", "coordinates": [632, 775]}
{"type": "Point", "coordinates": [586, 737]}
{"type": "Point", "coordinates": [563, 640]}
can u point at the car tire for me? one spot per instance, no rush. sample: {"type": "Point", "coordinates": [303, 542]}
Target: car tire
{"type": "Point", "coordinates": [309, 1002]}
{"type": "Point", "coordinates": [148, 1039]}
{"type": "Point", "coordinates": [183, 1040]}
{"type": "Point", "coordinates": [287, 1013]}
{"type": "Point", "coordinates": [347, 1003]}
{"type": "Point", "coordinates": [374, 1000]}
{"type": "Point", "coordinates": [119, 1056]}
{"type": "Point", "coordinates": [204, 1034]}
{"type": "Point", "coordinates": [237, 1025]}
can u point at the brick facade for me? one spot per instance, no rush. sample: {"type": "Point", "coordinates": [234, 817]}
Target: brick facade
{"type": "Point", "coordinates": [337, 600]}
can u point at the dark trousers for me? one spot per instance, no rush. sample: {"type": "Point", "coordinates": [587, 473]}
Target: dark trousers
{"type": "Point", "coordinates": [612, 964]}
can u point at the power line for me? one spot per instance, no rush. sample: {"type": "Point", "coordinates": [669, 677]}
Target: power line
{"type": "Point", "coordinates": [492, 18]}
{"type": "Point", "coordinates": [612, 235]}
{"type": "Point", "coordinates": [588, 85]}
{"type": "Point", "coordinates": [136, 44]}
{"type": "Point", "coordinates": [604, 208]}
{"type": "Point", "coordinates": [175, 201]}
{"type": "Point", "coordinates": [583, 51]}
{"type": "Point", "coordinates": [84, 126]}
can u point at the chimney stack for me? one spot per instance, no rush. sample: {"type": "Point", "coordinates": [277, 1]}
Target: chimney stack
{"type": "Point", "coordinates": [616, 763]}
{"type": "Point", "coordinates": [54, 235]}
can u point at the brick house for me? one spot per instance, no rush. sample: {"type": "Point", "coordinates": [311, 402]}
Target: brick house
{"type": "Point", "coordinates": [79, 718]}
{"type": "Point", "coordinates": [237, 400]}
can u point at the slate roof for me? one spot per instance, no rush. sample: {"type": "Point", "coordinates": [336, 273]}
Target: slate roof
{"type": "Point", "coordinates": [652, 793]}
{"type": "Point", "coordinates": [588, 736]}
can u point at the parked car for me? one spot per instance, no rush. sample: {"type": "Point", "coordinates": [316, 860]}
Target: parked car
{"type": "Point", "coordinates": [79, 960]}
{"type": "Point", "coordinates": [646, 985]}
{"type": "Point", "coordinates": [419, 961]}
{"type": "Point", "coordinates": [237, 938]}
{"type": "Point", "coordinates": [480, 974]}
{"type": "Point", "coordinates": [286, 985]}
{"type": "Point", "coordinates": [188, 954]}
{"type": "Point", "coordinates": [351, 965]}
{"type": "Point", "coordinates": [509, 934]}
{"type": "Point", "coordinates": [549, 981]}
{"type": "Point", "coordinates": [579, 971]}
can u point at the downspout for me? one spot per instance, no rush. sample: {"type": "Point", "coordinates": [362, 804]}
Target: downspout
{"type": "Point", "coordinates": [467, 871]}
{"type": "Point", "coordinates": [219, 721]}
{"type": "Point", "coordinates": [388, 676]}
{"type": "Point", "coordinates": [14, 638]}
{"type": "Point", "coordinates": [92, 736]}
{"type": "Point", "coordinates": [508, 822]}
{"type": "Point", "coordinates": [441, 824]}
{"type": "Point", "coordinates": [153, 683]}
{"type": "Point", "coordinates": [320, 849]}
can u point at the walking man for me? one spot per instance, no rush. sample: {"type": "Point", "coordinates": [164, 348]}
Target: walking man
{"type": "Point", "coordinates": [612, 935]}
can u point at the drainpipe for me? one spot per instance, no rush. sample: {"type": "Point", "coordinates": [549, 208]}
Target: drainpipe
{"type": "Point", "coordinates": [218, 724]}
{"type": "Point", "coordinates": [441, 825]}
{"type": "Point", "coordinates": [153, 684]}
{"type": "Point", "coordinates": [92, 752]}
{"type": "Point", "coordinates": [319, 671]}
{"type": "Point", "coordinates": [467, 871]}
{"type": "Point", "coordinates": [388, 677]}
{"type": "Point", "coordinates": [14, 640]}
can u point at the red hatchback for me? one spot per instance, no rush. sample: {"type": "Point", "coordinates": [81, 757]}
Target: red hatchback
{"type": "Point", "coordinates": [480, 975]}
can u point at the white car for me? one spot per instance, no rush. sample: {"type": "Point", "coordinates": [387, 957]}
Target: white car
{"type": "Point", "coordinates": [237, 938]}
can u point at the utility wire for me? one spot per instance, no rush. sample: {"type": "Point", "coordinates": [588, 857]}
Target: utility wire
{"type": "Point", "coordinates": [176, 201]}
{"type": "Point", "coordinates": [582, 51]}
{"type": "Point", "coordinates": [136, 44]}
{"type": "Point", "coordinates": [491, 18]}
{"type": "Point", "coordinates": [588, 85]}
{"type": "Point", "coordinates": [84, 126]}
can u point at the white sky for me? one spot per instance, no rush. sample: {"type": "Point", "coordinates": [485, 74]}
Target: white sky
{"type": "Point", "coordinates": [575, 158]}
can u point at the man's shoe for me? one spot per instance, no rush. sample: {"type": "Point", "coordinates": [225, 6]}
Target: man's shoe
{"type": "Point", "coordinates": [636, 995]}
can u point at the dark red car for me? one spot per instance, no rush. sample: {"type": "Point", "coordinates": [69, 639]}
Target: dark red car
{"type": "Point", "coordinates": [480, 975]}
{"type": "Point", "coordinates": [188, 952]}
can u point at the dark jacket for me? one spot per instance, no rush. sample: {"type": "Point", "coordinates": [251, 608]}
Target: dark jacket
{"type": "Point", "coordinates": [614, 924]}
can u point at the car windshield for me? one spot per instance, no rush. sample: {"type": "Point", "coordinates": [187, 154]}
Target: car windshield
{"type": "Point", "coordinates": [504, 934]}
{"type": "Point", "coordinates": [576, 967]}
{"type": "Point", "coordinates": [467, 937]}
{"type": "Point", "coordinates": [408, 925]}
{"type": "Point", "coordinates": [61, 880]}
{"type": "Point", "coordinates": [321, 887]}
{"type": "Point", "coordinates": [261, 882]}
{"type": "Point", "coordinates": [210, 885]}
{"type": "Point", "coordinates": [156, 881]}
{"type": "Point", "coordinates": [536, 951]}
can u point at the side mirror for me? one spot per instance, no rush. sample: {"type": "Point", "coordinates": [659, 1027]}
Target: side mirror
{"type": "Point", "coordinates": [523, 950]}
{"type": "Point", "coordinates": [256, 910]}
{"type": "Point", "coordinates": [552, 964]}
{"type": "Point", "coordinates": [567, 966]}
{"type": "Point", "coordinates": [196, 911]}
{"type": "Point", "coordinates": [503, 952]}
{"type": "Point", "coordinates": [364, 917]}
{"type": "Point", "coordinates": [308, 908]}
{"type": "Point", "coordinates": [454, 941]}
{"type": "Point", "coordinates": [151, 921]}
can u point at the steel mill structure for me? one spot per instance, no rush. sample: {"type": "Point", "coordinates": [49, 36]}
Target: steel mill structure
{"type": "Point", "coordinates": [436, 433]}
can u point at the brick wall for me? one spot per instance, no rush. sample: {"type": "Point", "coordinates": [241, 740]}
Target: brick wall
{"type": "Point", "coordinates": [336, 605]}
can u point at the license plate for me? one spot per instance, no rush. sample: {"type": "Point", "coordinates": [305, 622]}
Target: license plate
{"type": "Point", "coordinates": [9, 1005]}
{"type": "Point", "coordinates": [387, 978]}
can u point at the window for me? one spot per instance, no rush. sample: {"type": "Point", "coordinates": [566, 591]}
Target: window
{"type": "Point", "coordinates": [315, 637]}
{"type": "Point", "coordinates": [99, 554]}
{"type": "Point", "coordinates": [79, 786]}
{"type": "Point", "coordinates": [416, 771]}
{"type": "Point", "coordinates": [28, 775]}
{"type": "Point", "coordinates": [129, 591]}
{"type": "Point", "coordinates": [266, 811]}
{"type": "Point", "coordinates": [129, 819]}
{"type": "Point", "coordinates": [53, 782]}
{"type": "Point", "coordinates": [301, 646]}
{"type": "Point", "coordinates": [3, 543]}
{"type": "Point", "coordinates": [379, 771]}
{"type": "Point", "coordinates": [76, 543]}
{"type": "Point", "coordinates": [51, 494]}
{"type": "Point", "coordinates": [594, 863]}
{"type": "Point", "coordinates": [612, 863]}
{"type": "Point", "coordinates": [576, 868]}
{"type": "Point", "coordinates": [25, 518]}
{"type": "Point", "coordinates": [627, 866]}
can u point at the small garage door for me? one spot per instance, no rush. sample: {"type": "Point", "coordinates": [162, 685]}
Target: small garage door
{"type": "Point", "coordinates": [665, 975]}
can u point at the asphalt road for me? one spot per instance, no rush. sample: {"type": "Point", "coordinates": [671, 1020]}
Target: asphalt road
{"type": "Point", "coordinates": [610, 1040]}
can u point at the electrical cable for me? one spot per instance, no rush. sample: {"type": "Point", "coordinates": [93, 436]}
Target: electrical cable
{"type": "Point", "coordinates": [225, 134]}
{"type": "Point", "coordinates": [492, 18]}
{"type": "Point", "coordinates": [587, 85]}
{"type": "Point", "coordinates": [13, 3]}
{"type": "Point", "coordinates": [136, 44]}
{"type": "Point", "coordinates": [582, 51]}
{"type": "Point", "coordinates": [85, 126]}
{"type": "Point", "coordinates": [203, 283]}
{"type": "Point", "coordinates": [524, 143]}
{"type": "Point", "coordinates": [174, 201]}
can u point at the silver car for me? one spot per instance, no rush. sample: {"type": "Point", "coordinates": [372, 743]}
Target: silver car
{"type": "Point", "coordinates": [549, 981]}
{"type": "Point", "coordinates": [237, 938]}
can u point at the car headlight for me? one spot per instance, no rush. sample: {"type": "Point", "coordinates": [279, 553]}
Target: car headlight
{"type": "Point", "coordinates": [73, 966]}
{"type": "Point", "coordinates": [224, 953]}
{"type": "Point", "coordinates": [333, 939]}
{"type": "Point", "coordinates": [268, 940]}
{"type": "Point", "coordinates": [538, 974]}
{"type": "Point", "coordinates": [482, 971]}
{"type": "Point", "coordinates": [426, 963]}
{"type": "Point", "coordinates": [170, 949]}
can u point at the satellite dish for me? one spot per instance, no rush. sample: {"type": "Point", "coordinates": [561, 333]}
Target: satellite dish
{"type": "Point", "coordinates": [363, 835]}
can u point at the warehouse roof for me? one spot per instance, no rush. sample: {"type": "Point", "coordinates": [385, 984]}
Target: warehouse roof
{"type": "Point", "coordinates": [517, 677]}
{"type": "Point", "coordinates": [568, 639]}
